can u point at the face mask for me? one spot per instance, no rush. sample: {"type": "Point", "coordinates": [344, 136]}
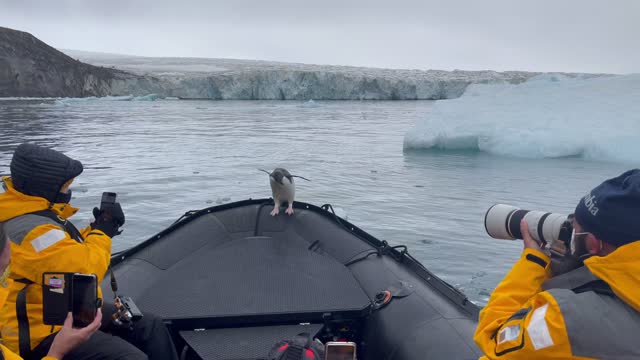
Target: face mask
{"type": "Point", "coordinates": [578, 247]}
{"type": "Point", "coordinates": [63, 198]}
{"type": "Point", "coordinates": [571, 259]}
{"type": "Point", "coordinates": [4, 277]}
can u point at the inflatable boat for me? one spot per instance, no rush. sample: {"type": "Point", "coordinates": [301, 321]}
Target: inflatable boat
{"type": "Point", "coordinates": [231, 281]}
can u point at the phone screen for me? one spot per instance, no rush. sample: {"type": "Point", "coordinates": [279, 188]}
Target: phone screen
{"type": "Point", "coordinates": [85, 293]}
{"type": "Point", "coordinates": [341, 351]}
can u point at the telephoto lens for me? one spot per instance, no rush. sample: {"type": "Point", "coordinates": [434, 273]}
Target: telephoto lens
{"type": "Point", "coordinates": [503, 222]}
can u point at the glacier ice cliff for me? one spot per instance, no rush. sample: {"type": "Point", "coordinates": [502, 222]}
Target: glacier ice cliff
{"type": "Point", "coordinates": [228, 79]}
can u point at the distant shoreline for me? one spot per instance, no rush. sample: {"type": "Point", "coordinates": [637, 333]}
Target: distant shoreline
{"type": "Point", "coordinates": [31, 68]}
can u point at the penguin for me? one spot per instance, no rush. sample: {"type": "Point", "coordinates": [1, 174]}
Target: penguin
{"type": "Point", "coordinates": [283, 189]}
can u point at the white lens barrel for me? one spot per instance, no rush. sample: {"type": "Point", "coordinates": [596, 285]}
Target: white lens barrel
{"type": "Point", "coordinates": [496, 221]}
{"type": "Point", "coordinates": [503, 222]}
{"type": "Point", "coordinates": [533, 220]}
{"type": "Point", "coordinates": [552, 226]}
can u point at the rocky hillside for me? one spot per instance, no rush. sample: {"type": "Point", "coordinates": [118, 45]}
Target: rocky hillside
{"type": "Point", "coordinates": [29, 67]}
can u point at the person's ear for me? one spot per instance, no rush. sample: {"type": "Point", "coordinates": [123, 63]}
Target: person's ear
{"type": "Point", "coordinates": [593, 244]}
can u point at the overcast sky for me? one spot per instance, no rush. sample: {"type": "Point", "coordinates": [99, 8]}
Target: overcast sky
{"type": "Point", "coordinates": [536, 35]}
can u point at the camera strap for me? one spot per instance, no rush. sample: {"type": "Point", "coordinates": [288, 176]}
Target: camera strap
{"type": "Point", "coordinates": [579, 281]}
{"type": "Point", "coordinates": [597, 286]}
{"type": "Point", "coordinates": [24, 334]}
{"type": "Point", "coordinates": [66, 224]}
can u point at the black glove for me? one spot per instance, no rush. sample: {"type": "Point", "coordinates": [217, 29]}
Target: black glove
{"type": "Point", "coordinates": [108, 220]}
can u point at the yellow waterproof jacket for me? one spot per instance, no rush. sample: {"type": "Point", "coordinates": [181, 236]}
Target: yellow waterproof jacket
{"type": "Point", "coordinates": [8, 354]}
{"type": "Point", "coordinates": [523, 321]}
{"type": "Point", "coordinates": [45, 247]}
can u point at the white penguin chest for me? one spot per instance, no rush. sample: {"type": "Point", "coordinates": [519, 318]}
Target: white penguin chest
{"type": "Point", "coordinates": [283, 192]}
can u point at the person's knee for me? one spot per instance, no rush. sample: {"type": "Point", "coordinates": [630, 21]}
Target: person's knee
{"type": "Point", "coordinates": [154, 323]}
{"type": "Point", "coordinates": [106, 346]}
{"type": "Point", "coordinates": [131, 354]}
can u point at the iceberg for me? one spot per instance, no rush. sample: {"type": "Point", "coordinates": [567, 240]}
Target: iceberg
{"type": "Point", "coordinates": [548, 116]}
{"type": "Point", "coordinates": [150, 97]}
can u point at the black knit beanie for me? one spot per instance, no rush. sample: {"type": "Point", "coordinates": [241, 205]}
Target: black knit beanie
{"type": "Point", "coordinates": [40, 171]}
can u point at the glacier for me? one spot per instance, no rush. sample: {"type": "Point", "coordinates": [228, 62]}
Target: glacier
{"type": "Point", "coordinates": [31, 68]}
{"type": "Point", "coordinates": [232, 79]}
{"type": "Point", "coordinates": [548, 116]}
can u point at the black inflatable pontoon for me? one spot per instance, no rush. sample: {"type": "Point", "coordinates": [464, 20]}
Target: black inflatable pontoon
{"type": "Point", "coordinates": [231, 281]}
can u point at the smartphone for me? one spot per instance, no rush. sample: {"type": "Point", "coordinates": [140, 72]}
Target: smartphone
{"type": "Point", "coordinates": [84, 290]}
{"type": "Point", "coordinates": [108, 199]}
{"type": "Point", "coordinates": [340, 350]}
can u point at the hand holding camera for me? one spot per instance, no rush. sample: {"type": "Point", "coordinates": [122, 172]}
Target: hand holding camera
{"type": "Point", "coordinates": [528, 241]}
{"type": "Point", "coordinates": [109, 217]}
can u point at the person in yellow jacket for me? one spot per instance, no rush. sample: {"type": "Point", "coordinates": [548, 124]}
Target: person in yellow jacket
{"type": "Point", "coordinates": [592, 312]}
{"type": "Point", "coordinates": [66, 339]}
{"type": "Point", "coordinates": [33, 212]}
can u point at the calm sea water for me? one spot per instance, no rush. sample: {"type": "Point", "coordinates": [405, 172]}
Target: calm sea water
{"type": "Point", "coordinates": [167, 157]}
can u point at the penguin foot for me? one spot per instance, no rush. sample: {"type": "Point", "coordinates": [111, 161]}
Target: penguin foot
{"type": "Point", "coordinates": [289, 210]}
{"type": "Point", "coordinates": [275, 211]}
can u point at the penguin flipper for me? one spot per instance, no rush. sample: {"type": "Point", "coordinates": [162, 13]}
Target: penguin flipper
{"type": "Point", "coordinates": [301, 177]}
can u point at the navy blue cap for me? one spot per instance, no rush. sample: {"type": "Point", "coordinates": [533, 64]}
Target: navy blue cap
{"type": "Point", "coordinates": [611, 211]}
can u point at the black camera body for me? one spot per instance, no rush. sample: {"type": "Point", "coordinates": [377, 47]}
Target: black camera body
{"type": "Point", "coordinates": [127, 311]}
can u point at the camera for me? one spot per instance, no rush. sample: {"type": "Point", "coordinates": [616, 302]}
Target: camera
{"type": "Point", "coordinates": [126, 311]}
{"type": "Point", "coordinates": [552, 231]}
{"type": "Point", "coordinates": [548, 229]}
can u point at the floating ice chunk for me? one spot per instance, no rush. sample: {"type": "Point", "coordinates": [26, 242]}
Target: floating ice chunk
{"type": "Point", "coordinates": [549, 116]}
{"type": "Point", "coordinates": [310, 104]}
